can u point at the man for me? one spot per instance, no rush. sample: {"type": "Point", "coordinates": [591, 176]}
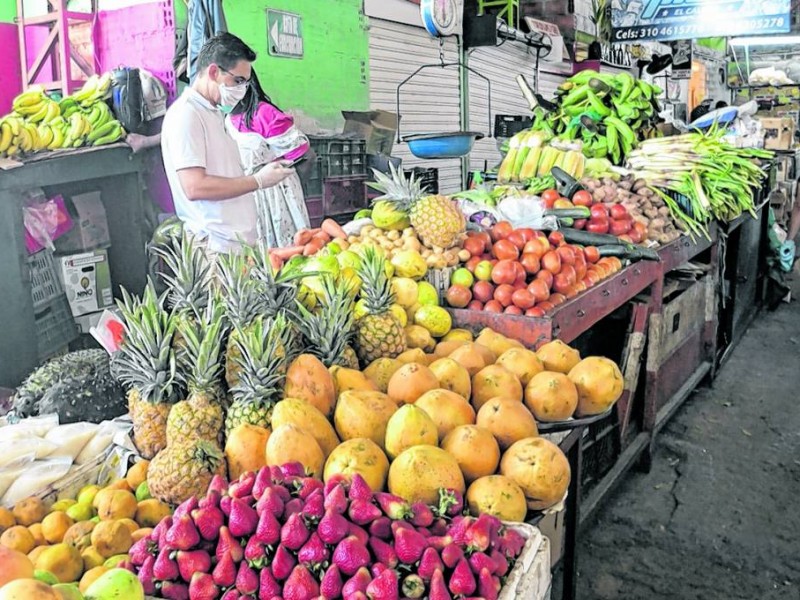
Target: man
{"type": "Point", "coordinates": [212, 195]}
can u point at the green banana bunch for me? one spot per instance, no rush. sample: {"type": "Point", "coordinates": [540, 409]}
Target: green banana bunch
{"type": "Point", "coordinates": [108, 133]}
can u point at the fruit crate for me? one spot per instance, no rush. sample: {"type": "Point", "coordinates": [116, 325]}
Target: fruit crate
{"type": "Point", "coordinates": [428, 178]}
{"type": "Point", "coordinates": [45, 284]}
{"type": "Point", "coordinates": [342, 195]}
{"type": "Point", "coordinates": [530, 577]}
{"type": "Point", "coordinates": [55, 327]}
{"type": "Point", "coordinates": [336, 157]}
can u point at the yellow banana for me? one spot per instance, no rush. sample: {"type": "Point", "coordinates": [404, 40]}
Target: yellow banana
{"type": "Point", "coordinates": [12, 150]}
{"type": "Point", "coordinates": [41, 113]}
{"type": "Point", "coordinates": [32, 109]}
{"type": "Point", "coordinates": [27, 99]}
{"type": "Point", "coordinates": [75, 126]}
{"type": "Point", "coordinates": [103, 84]}
{"type": "Point", "coordinates": [5, 136]}
{"type": "Point", "coordinates": [34, 133]}
{"type": "Point", "coordinates": [25, 140]}
{"type": "Point", "coordinates": [58, 139]}
{"type": "Point", "coordinates": [46, 135]}
{"type": "Point", "coordinates": [15, 124]}
{"type": "Point", "coordinates": [53, 110]}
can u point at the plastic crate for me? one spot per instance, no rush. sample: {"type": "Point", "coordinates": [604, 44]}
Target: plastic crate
{"type": "Point", "coordinates": [506, 126]}
{"type": "Point", "coordinates": [55, 327]}
{"type": "Point", "coordinates": [344, 195]}
{"type": "Point", "coordinates": [45, 284]}
{"type": "Point", "coordinates": [428, 178]}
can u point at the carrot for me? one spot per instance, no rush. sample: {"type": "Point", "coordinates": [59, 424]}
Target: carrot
{"type": "Point", "coordinates": [324, 237]}
{"type": "Point", "coordinates": [314, 246]}
{"type": "Point", "coordinates": [286, 253]}
{"type": "Point", "coordinates": [275, 261]}
{"type": "Point", "coordinates": [302, 237]}
{"type": "Point", "coordinates": [333, 229]}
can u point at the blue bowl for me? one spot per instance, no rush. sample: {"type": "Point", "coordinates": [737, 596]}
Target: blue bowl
{"type": "Point", "coordinates": [441, 145]}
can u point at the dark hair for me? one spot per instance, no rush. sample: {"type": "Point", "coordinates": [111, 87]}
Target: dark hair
{"type": "Point", "coordinates": [249, 104]}
{"type": "Point", "coordinates": [720, 104]}
{"type": "Point", "coordinates": [225, 50]}
{"type": "Point", "coordinates": [698, 112]}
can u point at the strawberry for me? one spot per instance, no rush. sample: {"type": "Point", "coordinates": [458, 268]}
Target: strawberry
{"type": "Point", "coordinates": [159, 533]}
{"type": "Point", "coordinates": [201, 587]}
{"type": "Point", "coordinates": [268, 530]}
{"type": "Point", "coordinates": [225, 505]}
{"type": "Point", "coordinates": [451, 502]}
{"type": "Point", "coordinates": [314, 509]}
{"type": "Point", "coordinates": [451, 555]}
{"type": "Point", "coordinates": [183, 535]}
{"type": "Point", "coordinates": [141, 550]}
{"type": "Point", "coordinates": [301, 585]}
{"type": "Point", "coordinates": [500, 562]}
{"type": "Point", "coordinates": [165, 569]}
{"type": "Point", "coordinates": [262, 482]}
{"type": "Point", "coordinates": [458, 529]}
{"type": "Point", "coordinates": [363, 512]}
{"type": "Point", "coordinates": [359, 532]}
{"type": "Point", "coordinates": [243, 486]}
{"type": "Point", "coordinates": [282, 563]}
{"type": "Point", "coordinates": [510, 543]}
{"type": "Point", "coordinates": [424, 532]}
{"type": "Point", "coordinates": [255, 553]}
{"type": "Point", "coordinates": [194, 561]}
{"type": "Point", "coordinates": [401, 525]}
{"type": "Point", "coordinates": [246, 579]}
{"type": "Point", "coordinates": [384, 587]}
{"type": "Point", "coordinates": [270, 501]}
{"type": "Point", "coordinates": [488, 585]}
{"type": "Point", "coordinates": [227, 544]}
{"type": "Point", "coordinates": [283, 492]}
{"type": "Point", "coordinates": [376, 569]}
{"type": "Point", "coordinates": [231, 594]}
{"type": "Point", "coordinates": [350, 554]}
{"type": "Point", "coordinates": [381, 528]}
{"type": "Point", "coordinates": [294, 532]}
{"type": "Point", "coordinates": [439, 542]}
{"type": "Point", "coordinates": [359, 489]}
{"type": "Point", "coordinates": [295, 505]}
{"type": "Point", "coordinates": [480, 533]}
{"type": "Point", "coordinates": [267, 585]}
{"type": "Point", "coordinates": [421, 515]}
{"type": "Point", "coordinates": [393, 506]}
{"type": "Point", "coordinates": [294, 469]}
{"type": "Point", "coordinates": [409, 545]}
{"type": "Point", "coordinates": [438, 589]}
{"type": "Point", "coordinates": [336, 499]}
{"type": "Point", "coordinates": [276, 474]}
{"type": "Point", "coordinates": [313, 552]}
{"type": "Point", "coordinates": [479, 561]}
{"type": "Point", "coordinates": [332, 482]}
{"type": "Point", "coordinates": [211, 498]}
{"type": "Point", "coordinates": [331, 585]}
{"type": "Point", "coordinates": [218, 484]}
{"type": "Point", "coordinates": [413, 587]}
{"type": "Point", "coordinates": [243, 519]}
{"type": "Point", "coordinates": [185, 508]}
{"type": "Point", "coordinates": [383, 552]}
{"type": "Point", "coordinates": [333, 527]}
{"type": "Point", "coordinates": [208, 520]}
{"type": "Point", "coordinates": [145, 575]}
{"type": "Point", "coordinates": [429, 563]}
{"type": "Point", "coordinates": [175, 591]}
{"type": "Point", "coordinates": [462, 581]}
{"type": "Point", "coordinates": [357, 583]}
{"type": "Point", "coordinates": [439, 526]}
{"type": "Point", "coordinates": [357, 596]}
{"type": "Point", "coordinates": [224, 573]}
{"type": "Point", "coordinates": [307, 486]}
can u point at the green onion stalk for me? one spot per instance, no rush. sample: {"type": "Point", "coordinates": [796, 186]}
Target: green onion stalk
{"type": "Point", "coordinates": [717, 179]}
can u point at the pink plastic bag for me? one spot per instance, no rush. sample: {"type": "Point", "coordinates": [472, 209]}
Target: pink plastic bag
{"type": "Point", "coordinates": [45, 220]}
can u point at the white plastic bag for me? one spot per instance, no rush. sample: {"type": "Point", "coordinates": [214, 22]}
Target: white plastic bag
{"type": "Point", "coordinates": [71, 438]}
{"type": "Point", "coordinates": [102, 440]}
{"type": "Point", "coordinates": [11, 471]}
{"type": "Point", "coordinates": [526, 211]}
{"type": "Point", "coordinates": [12, 450]}
{"type": "Point", "coordinates": [30, 427]}
{"type": "Point", "coordinates": [36, 478]}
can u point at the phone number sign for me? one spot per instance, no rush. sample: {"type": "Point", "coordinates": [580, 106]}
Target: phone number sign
{"type": "Point", "coordinates": [643, 20]}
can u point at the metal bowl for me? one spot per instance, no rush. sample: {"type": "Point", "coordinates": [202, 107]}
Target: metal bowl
{"type": "Point", "coordinates": [441, 145]}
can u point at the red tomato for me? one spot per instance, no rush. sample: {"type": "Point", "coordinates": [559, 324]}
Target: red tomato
{"type": "Point", "coordinates": [557, 299]}
{"type": "Point", "coordinates": [546, 306]}
{"type": "Point", "coordinates": [566, 254]}
{"type": "Point", "coordinates": [501, 230]}
{"type": "Point", "coordinates": [571, 292]}
{"type": "Point", "coordinates": [536, 247]}
{"type": "Point", "coordinates": [591, 253]}
{"type": "Point", "coordinates": [587, 281]}
{"type": "Point", "coordinates": [474, 245]}
{"type": "Point", "coordinates": [625, 238]}
{"type": "Point", "coordinates": [523, 299]}
{"type": "Point", "coordinates": [618, 227]}
{"type": "Point", "coordinates": [483, 291]}
{"type": "Point", "coordinates": [516, 238]}
{"type": "Point", "coordinates": [530, 262]}
{"type": "Point", "coordinates": [636, 236]}
{"type": "Point", "coordinates": [472, 263]}
{"type": "Point", "coordinates": [579, 224]}
{"type": "Point", "coordinates": [503, 294]}
{"type": "Point", "coordinates": [527, 233]}
{"type": "Point", "coordinates": [592, 276]}
{"type": "Point", "coordinates": [536, 311]}
{"type": "Point", "coordinates": [545, 276]}
{"type": "Point", "coordinates": [458, 296]}
{"type": "Point", "coordinates": [550, 195]}
{"type": "Point", "coordinates": [582, 198]}
{"type": "Point", "coordinates": [520, 270]}
{"type": "Point", "coordinates": [599, 211]}
{"type": "Point", "coordinates": [556, 238]}
{"type": "Point", "coordinates": [493, 306]}
{"type": "Point", "coordinates": [561, 283]}
{"type": "Point", "coordinates": [551, 261]}
{"type": "Point", "coordinates": [513, 310]}
{"type": "Point", "coordinates": [475, 305]}
{"type": "Point", "coordinates": [539, 289]}
{"type": "Point", "coordinates": [505, 250]}
{"type": "Point", "coordinates": [569, 272]}
{"type": "Point", "coordinates": [618, 211]}
{"type": "Point", "coordinates": [597, 226]}
{"type": "Point", "coordinates": [539, 234]}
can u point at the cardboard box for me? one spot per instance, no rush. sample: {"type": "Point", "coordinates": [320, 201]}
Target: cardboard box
{"type": "Point", "coordinates": [87, 281]}
{"type": "Point", "coordinates": [377, 127]}
{"type": "Point", "coordinates": [778, 133]}
{"type": "Point", "coordinates": [552, 527]}
{"type": "Point", "coordinates": [87, 321]}
{"type": "Point", "coordinates": [90, 229]}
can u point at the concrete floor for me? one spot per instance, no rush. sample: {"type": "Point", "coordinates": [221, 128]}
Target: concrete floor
{"type": "Point", "coordinates": [718, 516]}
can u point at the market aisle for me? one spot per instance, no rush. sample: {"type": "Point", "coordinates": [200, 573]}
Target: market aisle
{"type": "Point", "coordinates": [717, 516]}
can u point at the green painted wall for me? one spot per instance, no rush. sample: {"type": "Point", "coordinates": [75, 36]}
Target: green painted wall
{"type": "Point", "coordinates": [333, 74]}
{"type": "Point", "coordinates": [8, 11]}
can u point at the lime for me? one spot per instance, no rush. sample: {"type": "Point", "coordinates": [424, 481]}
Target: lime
{"type": "Point", "coordinates": [80, 512]}
{"type": "Point", "coordinates": [87, 494]}
{"type": "Point", "coordinates": [45, 577]}
{"type": "Point", "coordinates": [463, 277]}
{"type": "Point", "coordinates": [483, 270]}
{"type": "Point", "coordinates": [143, 492]}
{"type": "Point", "coordinates": [63, 504]}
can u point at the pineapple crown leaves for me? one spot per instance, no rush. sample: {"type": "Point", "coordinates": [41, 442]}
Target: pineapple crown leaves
{"type": "Point", "coordinates": [189, 273]}
{"type": "Point", "coordinates": [262, 360]}
{"type": "Point", "coordinates": [201, 362]}
{"type": "Point", "coordinates": [376, 289]}
{"type": "Point", "coordinates": [329, 330]}
{"type": "Point", "coordinates": [243, 292]}
{"type": "Point", "coordinates": [400, 191]}
{"type": "Point", "coordinates": [146, 361]}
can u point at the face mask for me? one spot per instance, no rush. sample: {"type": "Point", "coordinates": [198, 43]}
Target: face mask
{"type": "Point", "coordinates": [230, 96]}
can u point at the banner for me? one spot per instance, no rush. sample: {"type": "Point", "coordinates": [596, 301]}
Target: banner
{"type": "Point", "coordinates": [641, 20]}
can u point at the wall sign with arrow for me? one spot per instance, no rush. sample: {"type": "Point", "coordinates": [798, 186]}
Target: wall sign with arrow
{"type": "Point", "coordinates": [285, 33]}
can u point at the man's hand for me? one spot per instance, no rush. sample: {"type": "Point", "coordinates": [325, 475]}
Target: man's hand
{"type": "Point", "coordinates": [140, 142]}
{"type": "Point", "coordinates": [272, 174]}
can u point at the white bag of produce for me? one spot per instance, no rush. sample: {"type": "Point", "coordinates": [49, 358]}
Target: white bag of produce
{"type": "Point", "coordinates": [103, 438]}
{"type": "Point", "coordinates": [31, 427]}
{"type": "Point", "coordinates": [71, 438]}
{"type": "Point", "coordinates": [11, 471]}
{"type": "Point", "coordinates": [12, 450]}
{"type": "Point", "coordinates": [35, 478]}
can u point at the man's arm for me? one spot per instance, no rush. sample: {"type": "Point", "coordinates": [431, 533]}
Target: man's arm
{"type": "Point", "coordinates": [198, 185]}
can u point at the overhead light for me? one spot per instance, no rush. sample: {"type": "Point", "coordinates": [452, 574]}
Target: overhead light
{"type": "Point", "coordinates": [766, 40]}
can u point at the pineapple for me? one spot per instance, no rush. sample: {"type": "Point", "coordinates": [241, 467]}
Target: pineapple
{"type": "Point", "coordinates": [262, 370]}
{"type": "Point", "coordinates": [200, 416]}
{"type": "Point", "coordinates": [378, 333]}
{"type": "Point", "coordinates": [437, 220]}
{"type": "Point", "coordinates": [244, 298]}
{"type": "Point", "coordinates": [329, 330]}
{"type": "Point", "coordinates": [184, 470]}
{"type": "Point", "coordinates": [146, 365]}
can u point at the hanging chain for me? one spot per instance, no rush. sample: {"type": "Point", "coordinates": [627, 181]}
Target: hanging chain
{"type": "Point", "coordinates": [441, 51]}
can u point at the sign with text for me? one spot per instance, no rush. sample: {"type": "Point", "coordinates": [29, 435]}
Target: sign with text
{"type": "Point", "coordinates": [285, 32]}
{"type": "Point", "coordinates": [682, 59]}
{"type": "Point", "coordinates": [640, 20]}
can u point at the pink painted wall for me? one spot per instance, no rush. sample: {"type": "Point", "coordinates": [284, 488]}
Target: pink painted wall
{"type": "Point", "coordinates": [9, 66]}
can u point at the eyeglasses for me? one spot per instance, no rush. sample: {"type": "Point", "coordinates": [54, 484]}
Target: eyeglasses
{"type": "Point", "coordinates": [236, 78]}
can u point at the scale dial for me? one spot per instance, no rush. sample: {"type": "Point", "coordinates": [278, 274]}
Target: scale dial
{"type": "Point", "coordinates": [440, 17]}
